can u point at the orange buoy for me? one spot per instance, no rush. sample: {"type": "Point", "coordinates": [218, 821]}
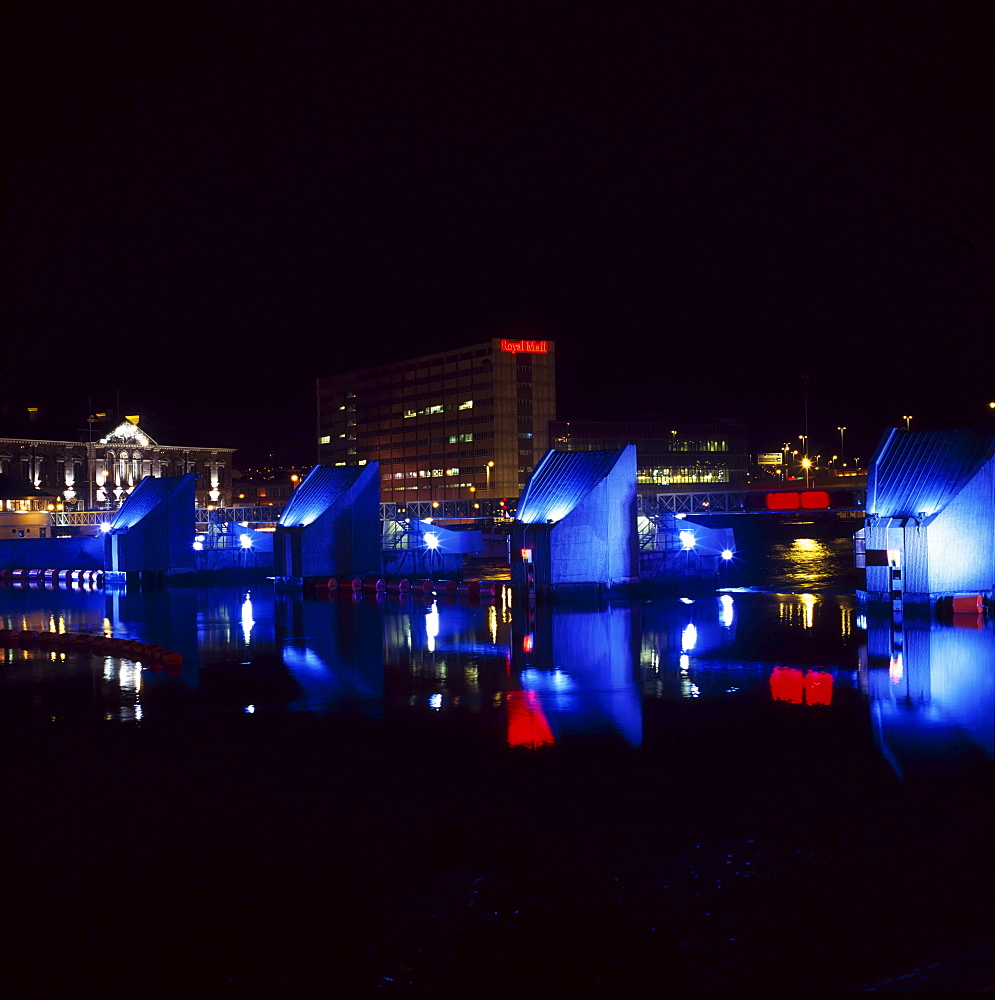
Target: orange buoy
{"type": "Point", "coordinates": [972, 605]}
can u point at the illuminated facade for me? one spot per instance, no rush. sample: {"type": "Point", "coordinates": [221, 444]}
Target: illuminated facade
{"type": "Point", "coordinates": [669, 454]}
{"type": "Point", "coordinates": [930, 525]}
{"type": "Point", "coordinates": [447, 426]}
{"type": "Point", "coordinates": [101, 474]}
{"type": "Point", "coordinates": [575, 526]}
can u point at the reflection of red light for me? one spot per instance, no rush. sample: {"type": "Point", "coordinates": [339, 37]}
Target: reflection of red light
{"type": "Point", "coordinates": [786, 684]}
{"type": "Point", "coordinates": [527, 643]}
{"type": "Point", "coordinates": [819, 687]}
{"type": "Point", "coordinates": [527, 726]}
{"type": "Point", "coordinates": [789, 684]}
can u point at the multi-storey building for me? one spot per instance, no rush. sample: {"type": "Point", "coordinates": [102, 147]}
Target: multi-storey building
{"type": "Point", "coordinates": [101, 473]}
{"type": "Point", "coordinates": [669, 453]}
{"type": "Point", "coordinates": [447, 426]}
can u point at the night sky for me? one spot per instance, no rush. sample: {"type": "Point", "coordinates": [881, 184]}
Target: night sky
{"type": "Point", "coordinates": [208, 205]}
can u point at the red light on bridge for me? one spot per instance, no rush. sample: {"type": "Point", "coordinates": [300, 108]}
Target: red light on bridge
{"type": "Point", "coordinates": [782, 501]}
{"type": "Point", "coordinates": [807, 500]}
{"type": "Point", "coordinates": [815, 500]}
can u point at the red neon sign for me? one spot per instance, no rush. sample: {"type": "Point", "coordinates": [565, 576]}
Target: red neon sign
{"type": "Point", "coordinates": [525, 346]}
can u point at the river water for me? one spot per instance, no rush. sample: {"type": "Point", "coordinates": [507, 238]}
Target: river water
{"type": "Point", "coordinates": [758, 790]}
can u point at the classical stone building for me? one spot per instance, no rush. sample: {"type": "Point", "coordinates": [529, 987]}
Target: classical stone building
{"type": "Point", "coordinates": [100, 474]}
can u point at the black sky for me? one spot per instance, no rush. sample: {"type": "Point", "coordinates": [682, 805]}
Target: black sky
{"type": "Point", "coordinates": [208, 205]}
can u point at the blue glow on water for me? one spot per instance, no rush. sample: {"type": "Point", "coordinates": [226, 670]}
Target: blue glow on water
{"type": "Point", "coordinates": [592, 671]}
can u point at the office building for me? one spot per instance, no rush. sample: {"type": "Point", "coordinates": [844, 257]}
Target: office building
{"type": "Point", "coordinates": [670, 454]}
{"type": "Point", "coordinates": [452, 425]}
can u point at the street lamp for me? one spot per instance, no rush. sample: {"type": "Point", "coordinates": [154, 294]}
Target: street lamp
{"type": "Point", "coordinates": [490, 465]}
{"type": "Point", "coordinates": [908, 420]}
{"type": "Point", "coordinates": [806, 465]}
{"type": "Point", "coordinates": [841, 429]}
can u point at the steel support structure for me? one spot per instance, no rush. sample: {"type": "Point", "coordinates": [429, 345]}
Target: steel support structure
{"type": "Point", "coordinates": [713, 502]}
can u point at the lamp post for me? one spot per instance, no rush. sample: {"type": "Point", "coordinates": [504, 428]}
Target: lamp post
{"type": "Point", "coordinates": [908, 420]}
{"type": "Point", "coordinates": [841, 429]}
{"type": "Point", "coordinates": [490, 465]}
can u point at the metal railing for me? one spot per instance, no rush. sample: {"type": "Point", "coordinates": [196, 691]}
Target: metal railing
{"type": "Point", "coordinates": [448, 509]}
{"type": "Point", "coordinates": [648, 504]}
{"type": "Point", "coordinates": [712, 502]}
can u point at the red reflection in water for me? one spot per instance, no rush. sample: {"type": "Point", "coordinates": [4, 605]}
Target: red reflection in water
{"type": "Point", "coordinates": [818, 687]}
{"type": "Point", "coordinates": [527, 726]}
{"type": "Point", "coordinates": [789, 684]}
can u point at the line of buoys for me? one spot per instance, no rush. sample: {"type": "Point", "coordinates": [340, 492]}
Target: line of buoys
{"type": "Point", "coordinates": [85, 642]}
{"type": "Point", "coordinates": [52, 577]}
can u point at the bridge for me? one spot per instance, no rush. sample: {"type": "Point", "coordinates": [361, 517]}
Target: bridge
{"type": "Point", "coordinates": [832, 499]}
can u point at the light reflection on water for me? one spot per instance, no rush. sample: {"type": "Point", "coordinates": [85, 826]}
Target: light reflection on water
{"type": "Point", "coordinates": [529, 678]}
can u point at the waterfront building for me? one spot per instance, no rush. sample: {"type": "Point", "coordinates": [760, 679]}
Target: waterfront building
{"type": "Point", "coordinates": [452, 425]}
{"type": "Point", "coordinates": [24, 509]}
{"type": "Point", "coordinates": [99, 474]}
{"type": "Point", "coordinates": [670, 454]}
{"type": "Point", "coordinates": [930, 525]}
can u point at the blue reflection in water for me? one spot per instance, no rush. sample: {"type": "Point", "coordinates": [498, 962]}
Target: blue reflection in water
{"type": "Point", "coordinates": [582, 670]}
{"type": "Point", "coordinates": [931, 690]}
{"type": "Point", "coordinates": [569, 672]}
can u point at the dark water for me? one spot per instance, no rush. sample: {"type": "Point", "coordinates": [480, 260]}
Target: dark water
{"type": "Point", "coordinates": [758, 792]}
